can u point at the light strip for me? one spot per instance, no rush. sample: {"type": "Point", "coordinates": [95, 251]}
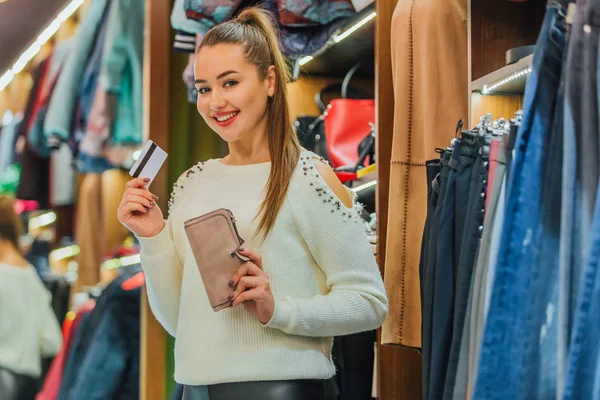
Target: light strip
{"type": "Point", "coordinates": [122, 262]}
{"type": "Point", "coordinates": [354, 28]}
{"type": "Point", "coordinates": [42, 220]}
{"type": "Point", "coordinates": [488, 89]}
{"type": "Point", "coordinates": [64, 252]}
{"type": "Point", "coordinates": [304, 60]}
{"type": "Point", "coordinates": [46, 34]}
{"type": "Point", "coordinates": [365, 186]}
{"type": "Point", "coordinates": [343, 35]}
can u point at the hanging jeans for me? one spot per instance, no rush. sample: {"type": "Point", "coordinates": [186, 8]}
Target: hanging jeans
{"type": "Point", "coordinates": [504, 364]}
{"type": "Point", "coordinates": [443, 284]}
{"type": "Point", "coordinates": [583, 380]}
{"type": "Point", "coordinates": [473, 226]}
{"type": "Point", "coordinates": [580, 237]}
{"type": "Point", "coordinates": [580, 166]}
{"type": "Point", "coordinates": [483, 268]}
{"type": "Point", "coordinates": [438, 189]}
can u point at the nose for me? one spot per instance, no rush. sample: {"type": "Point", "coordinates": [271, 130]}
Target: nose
{"type": "Point", "coordinates": [217, 102]}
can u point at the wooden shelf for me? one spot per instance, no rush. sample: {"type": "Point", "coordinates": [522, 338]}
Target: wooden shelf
{"type": "Point", "coordinates": [336, 57]}
{"type": "Point", "coordinates": [515, 84]}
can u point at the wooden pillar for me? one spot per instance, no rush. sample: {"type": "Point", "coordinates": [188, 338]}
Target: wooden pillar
{"type": "Point", "coordinates": [156, 127]}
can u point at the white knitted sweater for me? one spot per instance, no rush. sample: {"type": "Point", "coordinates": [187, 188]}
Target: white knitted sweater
{"type": "Point", "coordinates": [320, 265]}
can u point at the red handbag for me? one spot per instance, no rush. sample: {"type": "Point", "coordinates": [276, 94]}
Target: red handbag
{"type": "Point", "coordinates": [347, 123]}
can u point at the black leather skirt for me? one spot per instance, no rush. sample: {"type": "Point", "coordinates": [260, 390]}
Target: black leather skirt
{"type": "Point", "coordinates": [305, 389]}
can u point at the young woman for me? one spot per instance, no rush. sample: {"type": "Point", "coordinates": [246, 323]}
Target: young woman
{"type": "Point", "coordinates": [29, 329]}
{"type": "Point", "coordinates": [313, 274]}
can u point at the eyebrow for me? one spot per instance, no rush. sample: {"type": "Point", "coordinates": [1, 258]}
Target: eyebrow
{"type": "Point", "coordinates": [221, 76]}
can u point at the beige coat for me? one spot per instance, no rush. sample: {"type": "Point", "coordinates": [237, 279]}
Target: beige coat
{"type": "Point", "coordinates": [429, 66]}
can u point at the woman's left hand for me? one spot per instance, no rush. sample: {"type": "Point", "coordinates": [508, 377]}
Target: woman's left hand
{"type": "Point", "coordinates": [253, 288]}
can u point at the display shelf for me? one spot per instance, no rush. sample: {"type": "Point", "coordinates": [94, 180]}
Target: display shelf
{"type": "Point", "coordinates": [510, 79]}
{"type": "Point", "coordinates": [352, 43]}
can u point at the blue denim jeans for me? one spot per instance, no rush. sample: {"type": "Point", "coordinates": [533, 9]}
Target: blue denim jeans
{"type": "Point", "coordinates": [506, 361]}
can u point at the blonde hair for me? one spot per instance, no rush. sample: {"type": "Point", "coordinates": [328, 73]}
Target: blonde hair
{"type": "Point", "coordinates": [11, 226]}
{"type": "Point", "coordinates": [255, 30]}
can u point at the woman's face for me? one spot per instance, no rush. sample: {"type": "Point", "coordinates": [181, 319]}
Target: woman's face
{"type": "Point", "coordinates": [232, 98]}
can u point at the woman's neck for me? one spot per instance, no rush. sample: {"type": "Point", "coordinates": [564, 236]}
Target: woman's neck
{"type": "Point", "coordinates": [254, 151]}
{"type": "Point", "coordinates": [10, 255]}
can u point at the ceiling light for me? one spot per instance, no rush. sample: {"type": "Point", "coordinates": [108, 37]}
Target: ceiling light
{"type": "Point", "coordinates": [39, 42]}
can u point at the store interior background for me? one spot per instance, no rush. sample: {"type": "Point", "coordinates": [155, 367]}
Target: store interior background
{"type": "Point", "coordinates": [494, 27]}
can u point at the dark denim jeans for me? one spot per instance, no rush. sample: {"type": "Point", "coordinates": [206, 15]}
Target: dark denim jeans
{"type": "Point", "coordinates": [443, 284]}
{"type": "Point", "coordinates": [466, 262]}
{"type": "Point", "coordinates": [580, 235]}
{"type": "Point", "coordinates": [427, 283]}
{"type": "Point", "coordinates": [505, 364]}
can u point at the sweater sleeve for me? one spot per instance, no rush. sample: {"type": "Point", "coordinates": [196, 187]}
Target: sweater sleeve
{"type": "Point", "coordinates": [336, 238]}
{"type": "Point", "coordinates": [164, 270]}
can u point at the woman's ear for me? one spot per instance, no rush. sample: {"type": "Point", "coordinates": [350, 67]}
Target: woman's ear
{"type": "Point", "coordinates": [271, 81]}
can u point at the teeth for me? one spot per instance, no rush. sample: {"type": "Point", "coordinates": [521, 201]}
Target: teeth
{"type": "Point", "coordinates": [224, 118]}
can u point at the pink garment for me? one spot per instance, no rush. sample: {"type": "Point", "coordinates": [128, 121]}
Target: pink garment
{"type": "Point", "coordinates": [100, 121]}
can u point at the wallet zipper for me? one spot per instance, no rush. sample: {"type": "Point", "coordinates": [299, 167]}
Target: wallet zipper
{"type": "Point", "coordinates": [240, 240]}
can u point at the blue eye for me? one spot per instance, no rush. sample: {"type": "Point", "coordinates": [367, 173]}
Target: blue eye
{"type": "Point", "coordinates": [203, 90]}
{"type": "Point", "coordinates": [230, 83]}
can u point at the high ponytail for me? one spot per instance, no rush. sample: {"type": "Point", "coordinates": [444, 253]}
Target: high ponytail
{"type": "Point", "coordinates": [255, 29]}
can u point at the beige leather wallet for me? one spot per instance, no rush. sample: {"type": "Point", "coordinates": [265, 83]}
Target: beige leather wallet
{"type": "Point", "coordinates": [215, 242]}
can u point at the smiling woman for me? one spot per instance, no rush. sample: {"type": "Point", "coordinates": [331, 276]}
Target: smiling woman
{"type": "Point", "coordinates": [311, 275]}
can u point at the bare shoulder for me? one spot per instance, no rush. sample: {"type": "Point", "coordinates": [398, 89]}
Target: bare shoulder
{"type": "Point", "coordinates": [333, 182]}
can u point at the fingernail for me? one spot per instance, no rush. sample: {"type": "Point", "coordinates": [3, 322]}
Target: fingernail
{"type": "Point", "coordinates": [230, 296]}
{"type": "Point", "coordinates": [146, 180]}
{"type": "Point", "coordinates": [152, 204]}
{"type": "Point", "coordinates": [241, 249]}
{"type": "Point", "coordinates": [155, 197]}
{"type": "Point", "coordinates": [231, 282]}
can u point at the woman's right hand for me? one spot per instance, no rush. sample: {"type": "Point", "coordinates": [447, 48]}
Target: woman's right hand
{"type": "Point", "coordinates": [138, 210]}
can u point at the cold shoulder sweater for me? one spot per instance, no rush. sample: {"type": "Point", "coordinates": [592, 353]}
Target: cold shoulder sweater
{"type": "Point", "coordinates": [321, 269]}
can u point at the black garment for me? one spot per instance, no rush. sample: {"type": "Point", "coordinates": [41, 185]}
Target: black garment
{"type": "Point", "coordinates": [313, 389]}
{"type": "Point", "coordinates": [35, 177]}
{"type": "Point", "coordinates": [354, 356]}
{"type": "Point", "coordinates": [468, 153]}
{"type": "Point", "coordinates": [38, 257]}
{"type": "Point", "coordinates": [433, 221]}
{"type": "Point", "coordinates": [434, 168]}
{"type": "Point", "coordinates": [60, 289]}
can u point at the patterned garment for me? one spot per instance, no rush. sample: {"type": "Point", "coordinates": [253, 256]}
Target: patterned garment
{"type": "Point", "coordinates": [313, 12]}
{"type": "Point", "coordinates": [210, 12]}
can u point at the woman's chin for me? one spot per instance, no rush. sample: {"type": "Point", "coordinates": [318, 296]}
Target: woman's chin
{"type": "Point", "coordinates": [229, 137]}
